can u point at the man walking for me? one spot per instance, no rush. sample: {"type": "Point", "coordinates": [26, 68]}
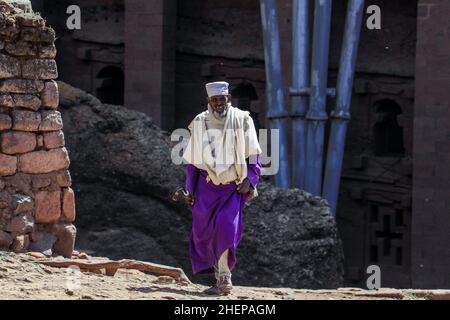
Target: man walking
{"type": "Point", "coordinates": [223, 156]}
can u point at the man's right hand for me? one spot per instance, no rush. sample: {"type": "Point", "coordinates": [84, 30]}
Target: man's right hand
{"type": "Point", "coordinates": [190, 199]}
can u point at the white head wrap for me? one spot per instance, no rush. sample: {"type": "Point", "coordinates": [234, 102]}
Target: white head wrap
{"type": "Point", "coordinates": [219, 88]}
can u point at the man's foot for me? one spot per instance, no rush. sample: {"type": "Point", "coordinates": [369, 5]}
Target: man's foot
{"type": "Point", "coordinates": [225, 286]}
{"type": "Point", "coordinates": [213, 291]}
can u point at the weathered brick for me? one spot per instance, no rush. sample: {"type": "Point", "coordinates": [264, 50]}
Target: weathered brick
{"type": "Point", "coordinates": [65, 234]}
{"type": "Point", "coordinates": [30, 20]}
{"type": "Point", "coordinates": [26, 120]}
{"type": "Point", "coordinates": [53, 140]}
{"type": "Point", "coordinates": [50, 95]}
{"type": "Point", "coordinates": [39, 69]}
{"type": "Point", "coordinates": [6, 101]}
{"type": "Point", "coordinates": [47, 52]}
{"type": "Point", "coordinates": [39, 141]}
{"type": "Point", "coordinates": [9, 67]}
{"type": "Point", "coordinates": [22, 204]}
{"type": "Point", "coordinates": [41, 238]}
{"type": "Point", "coordinates": [21, 224]}
{"type": "Point", "coordinates": [48, 206]}
{"type": "Point", "coordinates": [8, 165]}
{"type": "Point", "coordinates": [44, 161]}
{"type": "Point", "coordinates": [64, 179]}
{"type": "Point", "coordinates": [15, 142]}
{"type": "Point", "coordinates": [5, 122]}
{"type": "Point", "coordinates": [19, 181]}
{"type": "Point", "coordinates": [51, 121]}
{"type": "Point", "coordinates": [22, 49]}
{"type": "Point", "coordinates": [30, 34]}
{"type": "Point", "coordinates": [48, 35]}
{"type": "Point", "coordinates": [6, 8]}
{"type": "Point", "coordinates": [41, 181]}
{"type": "Point", "coordinates": [21, 86]}
{"type": "Point", "coordinates": [26, 101]}
{"type": "Point", "coordinates": [68, 205]}
{"type": "Point", "coordinates": [9, 30]}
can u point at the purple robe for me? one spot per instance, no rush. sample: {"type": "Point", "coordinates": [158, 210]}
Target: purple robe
{"type": "Point", "coordinates": [217, 217]}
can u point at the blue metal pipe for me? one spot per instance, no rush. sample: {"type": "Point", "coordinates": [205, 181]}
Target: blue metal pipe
{"type": "Point", "coordinates": [317, 115]}
{"type": "Point", "coordinates": [331, 92]}
{"type": "Point", "coordinates": [300, 80]}
{"type": "Point", "coordinates": [341, 114]}
{"type": "Point", "coordinates": [277, 114]}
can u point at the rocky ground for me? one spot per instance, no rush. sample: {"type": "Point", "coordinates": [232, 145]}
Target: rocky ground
{"type": "Point", "coordinates": [22, 277]}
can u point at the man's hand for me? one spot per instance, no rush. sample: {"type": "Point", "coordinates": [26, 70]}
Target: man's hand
{"type": "Point", "coordinates": [190, 199]}
{"type": "Point", "coordinates": [244, 187]}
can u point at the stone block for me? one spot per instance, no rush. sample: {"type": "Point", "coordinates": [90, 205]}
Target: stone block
{"type": "Point", "coordinates": [9, 67]}
{"type": "Point", "coordinates": [44, 161]}
{"type": "Point", "coordinates": [47, 206]}
{"type": "Point", "coordinates": [26, 120]}
{"type": "Point", "coordinates": [5, 122]}
{"type": "Point", "coordinates": [8, 165]}
{"type": "Point", "coordinates": [51, 121]}
{"type": "Point", "coordinates": [68, 205]}
{"type": "Point", "coordinates": [64, 179]}
{"type": "Point", "coordinates": [21, 86]}
{"type": "Point", "coordinates": [65, 243]}
{"type": "Point", "coordinates": [54, 139]}
{"type": "Point", "coordinates": [30, 20]}
{"type": "Point", "coordinates": [26, 101]}
{"type": "Point", "coordinates": [47, 52]}
{"type": "Point", "coordinates": [7, 101]}
{"type": "Point", "coordinates": [50, 95]}
{"type": "Point", "coordinates": [39, 69]}
{"type": "Point", "coordinates": [21, 224]}
{"type": "Point", "coordinates": [22, 49]}
{"type": "Point", "coordinates": [15, 142]}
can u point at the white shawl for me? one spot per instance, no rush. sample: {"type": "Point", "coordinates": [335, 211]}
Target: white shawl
{"type": "Point", "coordinates": [234, 144]}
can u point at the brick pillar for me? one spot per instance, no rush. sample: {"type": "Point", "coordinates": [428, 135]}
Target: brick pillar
{"type": "Point", "coordinates": [37, 205]}
{"type": "Point", "coordinates": [150, 38]}
{"type": "Point", "coordinates": [431, 184]}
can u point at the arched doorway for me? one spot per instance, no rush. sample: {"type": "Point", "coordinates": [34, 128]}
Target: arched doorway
{"type": "Point", "coordinates": [111, 85]}
{"type": "Point", "coordinates": [243, 96]}
{"type": "Point", "coordinates": [388, 133]}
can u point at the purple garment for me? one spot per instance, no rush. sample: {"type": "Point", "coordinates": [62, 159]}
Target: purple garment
{"type": "Point", "coordinates": [217, 217]}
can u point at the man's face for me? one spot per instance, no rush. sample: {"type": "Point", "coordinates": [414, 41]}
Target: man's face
{"type": "Point", "coordinates": [219, 103]}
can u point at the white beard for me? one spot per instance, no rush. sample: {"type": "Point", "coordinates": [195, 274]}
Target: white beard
{"type": "Point", "coordinates": [219, 116]}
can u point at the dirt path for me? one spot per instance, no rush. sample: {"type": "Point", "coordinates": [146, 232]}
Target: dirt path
{"type": "Point", "coordinates": [21, 277]}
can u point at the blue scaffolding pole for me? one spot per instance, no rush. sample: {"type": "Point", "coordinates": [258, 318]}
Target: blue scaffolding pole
{"type": "Point", "coordinates": [341, 114]}
{"type": "Point", "coordinates": [277, 114]}
{"type": "Point", "coordinates": [300, 81]}
{"type": "Point", "coordinates": [317, 115]}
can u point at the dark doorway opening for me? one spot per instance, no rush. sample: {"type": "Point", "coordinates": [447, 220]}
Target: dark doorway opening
{"type": "Point", "coordinates": [243, 96]}
{"type": "Point", "coordinates": [388, 133]}
{"type": "Point", "coordinates": [111, 81]}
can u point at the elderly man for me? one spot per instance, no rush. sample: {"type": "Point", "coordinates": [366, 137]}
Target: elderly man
{"type": "Point", "coordinates": [222, 175]}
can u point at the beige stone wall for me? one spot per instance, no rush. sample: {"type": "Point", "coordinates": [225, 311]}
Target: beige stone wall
{"type": "Point", "coordinates": [37, 205]}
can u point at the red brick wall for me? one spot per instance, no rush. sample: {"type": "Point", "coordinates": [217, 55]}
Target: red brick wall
{"type": "Point", "coordinates": [37, 205]}
{"type": "Point", "coordinates": [431, 185]}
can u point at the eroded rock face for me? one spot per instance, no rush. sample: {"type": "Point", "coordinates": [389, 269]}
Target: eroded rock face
{"type": "Point", "coordinates": [36, 201]}
{"type": "Point", "coordinates": [124, 180]}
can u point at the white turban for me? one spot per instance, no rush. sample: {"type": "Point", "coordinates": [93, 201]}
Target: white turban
{"type": "Point", "coordinates": [219, 88]}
